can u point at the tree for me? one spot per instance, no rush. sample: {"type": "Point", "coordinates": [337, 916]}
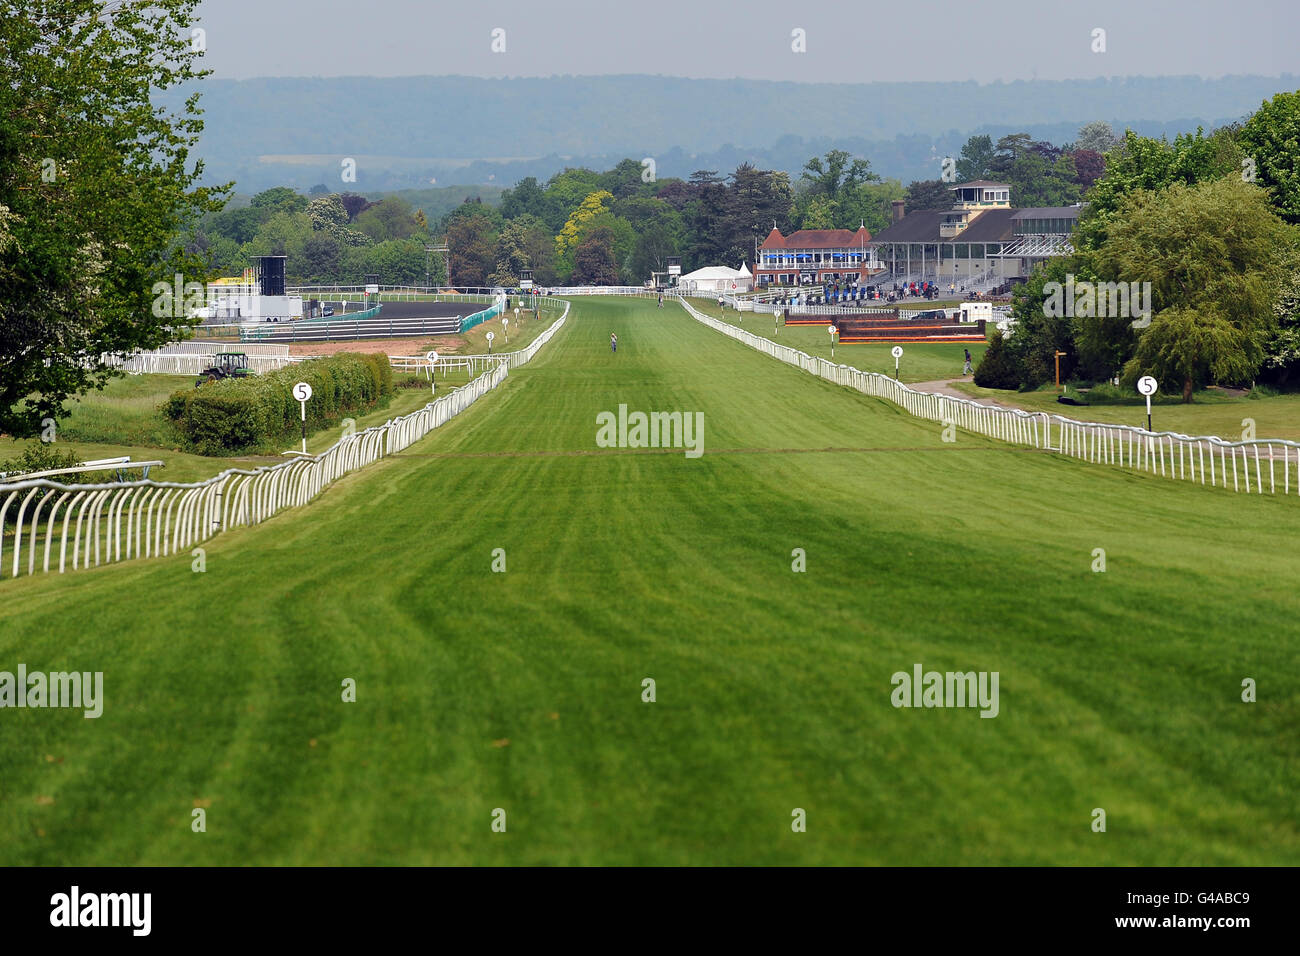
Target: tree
{"type": "Point", "coordinates": [1141, 163]}
{"type": "Point", "coordinates": [390, 218]}
{"type": "Point", "coordinates": [538, 248]}
{"type": "Point", "coordinates": [327, 211]}
{"type": "Point", "coordinates": [590, 207]}
{"type": "Point", "coordinates": [998, 367]}
{"type": "Point", "coordinates": [575, 228]}
{"type": "Point", "coordinates": [754, 199]}
{"type": "Point", "coordinates": [657, 238]}
{"type": "Point", "coordinates": [838, 174]}
{"type": "Point", "coordinates": [284, 234]}
{"type": "Point", "coordinates": [280, 198]}
{"type": "Point", "coordinates": [593, 260]}
{"type": "Point", "coordinates": [1271, 138]}
{"type": "Point", "coordinates": [354, 205]}
{"type": "Point", "coordinates": [1088, 167]}
{"type": "Point", "coordinates": [397, 261]}
{"type": "Point", "coordinates": [329, 215]}
{"type": "Point", "coordinates": [525, 199]}
{"type": "Point", "coordinates": [472, 242]}
{"type": "Point", "coordinates": [819, 214]}
{"type": "Point", "coordinates": [565, 192]}
{"type": "Point", "coordinates": [976, 159]}
{"type": "Point", "coordinates": [1009, 149]}
{"type": "Point", "coordinates": [928, 194]}
{"type": "Point", "coordinates": [96, 185]}
{"type": "Point", "coordinates": [319, 263]}
{"type": "Point", "coordinates": [1282, 348]}
{"type": "Point", "coordinates": [1039, 334]}
{"type": "Point", "coordinates": [512, 255]}
{"type": "Point", "coordinates": [241, 225]}
{"type": "Point", "coordinates": [1215, 255]}
{"type": "Point", "coordinates": [871, 205]}
{"type": "Point", "coordinates": [1097, 136]}
{"type": "Point", "coordinates": [624, 179]}
{"type": "Point", "coordinates": [1184, 348]}
{"type": "Point", "coordinates": [1038, 173]}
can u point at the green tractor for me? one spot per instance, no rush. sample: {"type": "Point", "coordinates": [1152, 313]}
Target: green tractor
{"type": "Point", "coordinates": [225, 365]}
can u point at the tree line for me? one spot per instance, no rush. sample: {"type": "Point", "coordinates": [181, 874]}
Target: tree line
{"type": "Point", "coordinates": [619, 225]}
{"type": "Point", "coordinates": [1210, 225]}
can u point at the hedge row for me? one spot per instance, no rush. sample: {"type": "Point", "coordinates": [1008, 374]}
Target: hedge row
{"type": "Point", "coordinates": [259, 413]}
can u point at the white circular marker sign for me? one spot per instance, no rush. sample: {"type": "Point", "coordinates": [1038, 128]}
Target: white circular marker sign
{"type": "Point", "coordinates": [1147, 385]}
{"type": "Point", "coordinates": [431, 356]}
{"type": "Point", "coordinates": [490, 336]}
{"type": "Point", "coordinates": [302, 391]}
{"type": "Point", "coordinates": [831, 329]}
{"type": "Point", "coordinates": [896, 351]}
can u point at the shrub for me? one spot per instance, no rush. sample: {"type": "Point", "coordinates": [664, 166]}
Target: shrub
{"type": "Point", "coordinates": [259, 412]}
{"type": "Point", "coordinates": [39, 456]}
{"type": "Point", "coordinates": [998, 368]}
{"type": "Point", "coordinates": [1104, 393]}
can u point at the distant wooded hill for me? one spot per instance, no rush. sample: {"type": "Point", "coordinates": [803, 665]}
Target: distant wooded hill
{"type": "Point", "coordinates": [417, 132]}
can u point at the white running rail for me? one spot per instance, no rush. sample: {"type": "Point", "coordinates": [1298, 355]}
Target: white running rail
{"type": "Point", "coordinates": [1258, 466]}
{"type": "Point", "coordinates": [122, 520]}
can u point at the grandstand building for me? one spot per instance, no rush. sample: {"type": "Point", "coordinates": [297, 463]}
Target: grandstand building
{"type": "Point", "coordinates": [815, 256]}
{"type": "Point", "coordinates": [982, 241]}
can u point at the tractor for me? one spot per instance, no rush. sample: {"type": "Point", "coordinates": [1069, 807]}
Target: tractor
{"type": "Point", "coordinates": [225, 365]}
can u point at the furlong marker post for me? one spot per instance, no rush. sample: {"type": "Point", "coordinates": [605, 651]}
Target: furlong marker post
{"type": "Point", "coordinates": [302, 392]}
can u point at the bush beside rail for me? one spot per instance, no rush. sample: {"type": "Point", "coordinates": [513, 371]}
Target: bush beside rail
{"type": "Point", "coordinates": [256, 413]}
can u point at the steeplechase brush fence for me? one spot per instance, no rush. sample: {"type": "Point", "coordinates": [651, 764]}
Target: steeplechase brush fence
{"type": "Point", "coordinates": [1259, 466]}
{"type": "Point", "coordinates": [61, 527]}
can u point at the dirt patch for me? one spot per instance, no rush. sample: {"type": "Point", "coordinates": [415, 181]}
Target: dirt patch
{"type": "Point", "coordinates": [411, 346]}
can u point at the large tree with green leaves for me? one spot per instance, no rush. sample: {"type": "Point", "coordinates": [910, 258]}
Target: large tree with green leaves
{"type": "Point", "coordinates": [1215, 255]}
{"type": "Point", "coordinates": [1271, 141]}
{"type": "Point", "coordinates": [1142, 163]}
{"type": "Point", "coordinates": [976, 159]}
{"type": "Point", "coordinates": [96, 187]}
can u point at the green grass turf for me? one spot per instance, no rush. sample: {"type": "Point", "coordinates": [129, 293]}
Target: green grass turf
{"type": "Point", "coordinates": [1118, 690]}
{"type": "Point", "coordinates": [921, 361]}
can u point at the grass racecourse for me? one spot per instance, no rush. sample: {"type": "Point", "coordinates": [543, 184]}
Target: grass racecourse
{"type": "Point", "coordinates": [522, 690]}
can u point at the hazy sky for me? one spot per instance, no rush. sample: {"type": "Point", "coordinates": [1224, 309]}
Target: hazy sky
{"type": "Point", "coordinates": [858, 41]}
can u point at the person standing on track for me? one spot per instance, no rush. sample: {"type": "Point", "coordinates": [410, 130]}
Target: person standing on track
{"type": "Point", "coordinates": [967, 370]}
{"type": "Point", "coordinates": [613, 342]}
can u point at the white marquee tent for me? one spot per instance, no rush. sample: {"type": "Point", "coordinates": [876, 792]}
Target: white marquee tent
{"type": "Point", "coordinates": [718, 279]}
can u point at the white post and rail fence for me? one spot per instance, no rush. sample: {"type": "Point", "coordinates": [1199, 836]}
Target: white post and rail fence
{"type": "Point", "coordinates": [60, 527]}
{"type": "Point", "coordinates": [1259, 466]}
